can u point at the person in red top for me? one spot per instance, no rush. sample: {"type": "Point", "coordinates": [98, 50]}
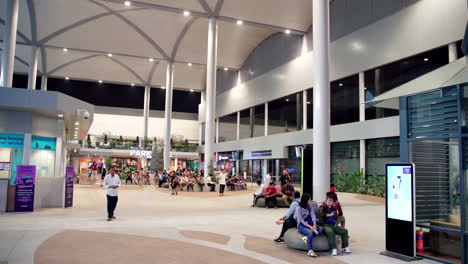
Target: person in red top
{"type": "Point", "coordinates": [270, 195]}
{"type": "Point", "coordinates": [340, 219]}
{"type": "Point", "coordinates": [332, 188]}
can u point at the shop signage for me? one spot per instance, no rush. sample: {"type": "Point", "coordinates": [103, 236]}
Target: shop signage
{"type": "Point", "coordinates": [261, 153]}
{"type": "Point", "coordinates": [5, 166]}
{"type": "Point", "coordinates": [141, 153]}
{"type": "Point", "coordinates": [43, 143]}
{"type": "Point", "coordinates": [220, 157]}
{"type": "Point", "coordinates": [25, 181]}
{"type": "Point", "coordinates": [69, 177]}
{"type": "Point", "coordinates": [11, 141]}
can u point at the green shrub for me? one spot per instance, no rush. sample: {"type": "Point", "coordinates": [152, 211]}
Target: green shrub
{"type": "Point", "coordinates": [128, 144]}
{"type": "Point", "coordinates": [98, 144]}
{"type": "Point", "coordinates": [355, 182]}
{"type": "Point", "coordinates": [113, 143]}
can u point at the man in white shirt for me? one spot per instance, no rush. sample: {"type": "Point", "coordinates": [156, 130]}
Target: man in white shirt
{"type": "Point", "coordinates": [259, 193]}
{"type": "Point", "coordinates": [111, 183]}
{"type": "Point", "coordinates": [210, 183]}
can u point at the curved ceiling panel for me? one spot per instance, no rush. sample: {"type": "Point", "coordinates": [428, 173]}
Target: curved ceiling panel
{"type": "Point", "coordinates": [53, 15]}
{"type": "Point", "coordinates": [296, 14]}
{"type": "Point", "coordinates": [235, 43]}
{"type": "Point", "coordinates": [107, 34]}
{"type": "Point", "coordinates": [159, 75]}
{"type": "Point", "coordinates": [141, 66]}
{"type": "Point", "coordinates": [194, 45]}
{"type": "Point", "coordinates": [22, 53]}
{"type": "Point", "coordinates": [193, 5]}
{"type": "Point", "coordinates": [189, 77]}
{"type": "Point", "coordinates": [98, 68]}
{"type": "Point", "coordinates": [58, 57]}
{"type": "Point", "coordinates": [24, 24]}
{"type": "Point", "coordinates": [155, 24]}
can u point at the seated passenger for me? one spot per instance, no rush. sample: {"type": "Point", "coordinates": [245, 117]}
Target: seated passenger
{"type": "Point", "coordinates": [190, 183]}
{"type": "Point", "coordinates": [200, 182]}
{"type": "Point", "coordinates": [340, 219]}
{"type": "Point", "coordinates": [288, 220]}
{"type": "Point", "coordinates": [270, 195]}
{"type": "Point", "coordinates": [231, 183]}
{"type": "Point", "coordinates": [307, 222]}
{"type": "Point", "coordinates": [163, 179]}
{"type": "Point", "coordinates": [288, 190]}
{"type": "Point", "coordinates": [328, 217]}
{"type": "Point", "coordinates": [210, 183]}
{"type": "Point", "coordinates": [259, 193]}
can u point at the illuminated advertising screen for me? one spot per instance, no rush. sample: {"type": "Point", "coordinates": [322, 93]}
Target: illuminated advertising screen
{"type": "Point", "coordinates": [399, 190]}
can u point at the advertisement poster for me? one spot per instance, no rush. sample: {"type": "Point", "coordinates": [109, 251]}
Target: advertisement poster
{"type": "Point", "coordinates": [400, 204]}
{"type": "Point", "coordinates": [43, 143]}
{"type": "Point", "coordinates": [11, 141]}
{"type": "Point", "coordinates": [69, 177]}
{"type": "Point", "coordinates": [25, 181]}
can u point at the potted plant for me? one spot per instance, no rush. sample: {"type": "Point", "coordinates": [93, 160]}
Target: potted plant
{"type": "Point", "coordinates": [146, 143]}
{"type": "Point", "coordinates": [98, 144]}
{"type": "Point", "coordinates": [113, 143]}
{"type": "Point", "coordinates": [128, 144]}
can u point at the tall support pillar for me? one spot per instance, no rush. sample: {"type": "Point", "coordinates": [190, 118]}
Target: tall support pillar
{"type": "Point", "coordinates": [200, 134]}
{"type": "Point", "coordinates": [168, 115]}
{"type": "Point", "coordinates": [146, 104]}
{"type": "Point", "coordinates": [321, 132]}
{"type": "Point", "coordinates": [33, 68]}
{"type": "Point", "coordinates": [238, 126]}
{"type": "Point", "coordinates": [210, 92]}
{"type": "Point", "coordinates": [266, 119]}
{"type": "Point", "coordinates": [9, 43]}
{"type": "Point", "coordinates": [452, 52]}
{"type": "Point", "coordinates": [27, 149]}
{"type": "Point", "coordinates": [44, 82]}
{"type": "Point", "coordinates": [362, 117]}
{"type": "Point", "coordinates": [217, 130]}
{"type": "Point", "coordinates": [304, 110]}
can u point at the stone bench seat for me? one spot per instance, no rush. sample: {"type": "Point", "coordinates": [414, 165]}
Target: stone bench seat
{"type": "Point", "coordinates": [279, 201]}
{"type": "Point", "coordinates": [293, 239]}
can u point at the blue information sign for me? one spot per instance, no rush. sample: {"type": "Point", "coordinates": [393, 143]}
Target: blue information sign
{"type": "Point", "coordinates": [43, 143]}
{"type": "Point", "coordinates": [11, 141]}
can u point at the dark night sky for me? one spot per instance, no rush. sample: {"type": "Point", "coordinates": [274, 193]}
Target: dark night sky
{"type": "Point", "coordinates": [115, 95]}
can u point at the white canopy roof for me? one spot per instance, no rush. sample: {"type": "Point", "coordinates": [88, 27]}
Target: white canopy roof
{"type": "Point", "coordinates": [156, 29]}
{"type": "Point", "coordinates": [448, 75]}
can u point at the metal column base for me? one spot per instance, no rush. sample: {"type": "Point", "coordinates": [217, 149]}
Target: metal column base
{"type": "Point", "coordinates": [399, 256]}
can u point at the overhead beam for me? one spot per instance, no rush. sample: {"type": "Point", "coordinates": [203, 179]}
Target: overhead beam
{"type": "Point", "coordinates": [205, 6]}
{"type": "Point", "coordinates": [181, 37]}
{"type": "Point", "coordinates": [218, 7]}
{"type": "Point", "coordinates": [205, 15]}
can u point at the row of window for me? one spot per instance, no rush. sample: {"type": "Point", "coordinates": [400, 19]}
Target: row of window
{"type": "Point", "coordinates": [286, 114]}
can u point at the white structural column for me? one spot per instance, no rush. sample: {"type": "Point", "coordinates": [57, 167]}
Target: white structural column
{"type": "Point", "coordinates": [362, 117]}
{"type": "Point", "coordinates": [146, 104]}
{"type": "Point", "coordinates": [27, 149]}
{"type": "Point", "coordinates": [200, 134]}
{"type": "Point", "coordinates": [9, 43]}
{"type": "Point", "coordinates": [238, 126]}
{"type": "Point", "coordinates": [321, 132]}
{"type": "Point", "coordinates": [304, 110]}
{"type": "Point", "coordinates": [210, 92]}
{"type": "Point", "coordinates": [44, 82]}
{"type": "Point", "coordinates": [452, 52]}
{"type": "Point", "coordinates": [266, 119]}
{"type": "Point", "coordinates": [33, 68]}
{"type": "Point", "coordinates": [217, 130]}
{"type": "Point", "coordinates": [168, 115]}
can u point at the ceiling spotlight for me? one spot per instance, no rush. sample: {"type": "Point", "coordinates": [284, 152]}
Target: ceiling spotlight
{"type": "Point", "coordinates": [109, 54]}
{"type": "Point", "coordinates": [163, 87]}
{"type": "Point", "coordinates": [225, 69]}
{"type": "Point", "coordinates": [308, 102]}
{"type": "Point", "coordinates": [132, 84]}
{"type": "Point", "coordinates": [240, 22]}
{"type": "Point", "coordinates": [426, 59]}
{"type": "Point", "coordinates": [341, 84]}
{"type": "Point", "coordinates": [151, 59]}
{"type": "Point", "coordinates": [287, 31]}
{"type": "Point", "coordinates": [77, 123]}
{"type": "Point", "coordinates": [60, 115]}
{"type": "Point", "coordinates": [65, 49]}
{"type": "Point", "coordinates": [191, 90]}
{"type": "Point", "coordinates": [128, 3]}
{"type": "Point", "coordinates": [100, 81]}
{"type": "Point", "coordinates": [189, 64]}
{"type": "Point", "coordinates": [67, 78]}
{"type": "Point", "coordinates": [186, 13]}
{"type": "Point", "coordinates": [287, 100]}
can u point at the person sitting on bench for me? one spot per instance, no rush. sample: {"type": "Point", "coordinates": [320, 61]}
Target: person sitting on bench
{"type": "Point", "coordinates": [288, 220]}
{"type": "Point", "coordinates": [328, 217]}
{"type": "Point", "coordinates": [270, 195]}
{"type": "Point", "coordinates": [259, 193]}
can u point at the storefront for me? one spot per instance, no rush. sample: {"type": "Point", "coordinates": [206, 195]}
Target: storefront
{"type": "Point", "coordinates": [228, 161]}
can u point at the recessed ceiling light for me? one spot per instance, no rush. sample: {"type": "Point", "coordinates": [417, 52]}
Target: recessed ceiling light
{"type": "Point", "coordinates": [60, 115]}
{"type": "Point", "coordinates": [151, 59]}
{"type": "Point", "coordinates": [109, 54]}
{"type": "Point", "coordinates": [100, 81]}
{"type": "Point", "coordinates": [240, 22]}
{"type": "Point", "coordinates": [426, 59]}
{"type": "Point", "coordinates": [66, 78]}
{"type": "Point", "coordinates": [132, 84]}
{"type": "Point", "coordinates": [77, 123]}
{"type": "Point", "coordinates": [341, 84]}
{"type": "Point", "coordinates": [186, 13]}
{"type": "Point", "coordinates": [225, 69]}
{"type": "Point", "coordinates": [308, 102]}
{"type": "Point", "coordinates": [128, 3]}
{"type": "Point", "coordinates": [287, 100]}
{"type": "Point", "coordinates": [287, 31]}
{"type": "Point", "coordinates": [163, 87]}
{"type": "Point", "coordinates": [76, 128]}
{"type": "Point", "coordinates": [189, 64]}
{"type": "Point", "coordinates": [191, 90]}
{"type": "Point", "coordinates": [65, 49]}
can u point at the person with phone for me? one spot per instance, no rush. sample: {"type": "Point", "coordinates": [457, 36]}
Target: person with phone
{"type": "Point", "coordinates": [328, 219]}
{"type": "Point", "coordinates": [306, 219]}
{"type": "Point", "coordinates": [111, 183]}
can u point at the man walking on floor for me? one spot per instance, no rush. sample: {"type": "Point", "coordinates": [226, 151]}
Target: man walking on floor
{"type": "Point", "coordinates": [111, 183]}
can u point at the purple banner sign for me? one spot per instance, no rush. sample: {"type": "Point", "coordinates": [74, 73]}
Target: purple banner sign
{"type": "Point", "coordinates": [25, 181]}
{"type": "Point", "coordinates": [69, 177]}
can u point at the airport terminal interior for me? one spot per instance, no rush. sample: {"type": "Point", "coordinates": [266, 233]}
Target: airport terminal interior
{"type": "Point", "coordinates": [233, 131]}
